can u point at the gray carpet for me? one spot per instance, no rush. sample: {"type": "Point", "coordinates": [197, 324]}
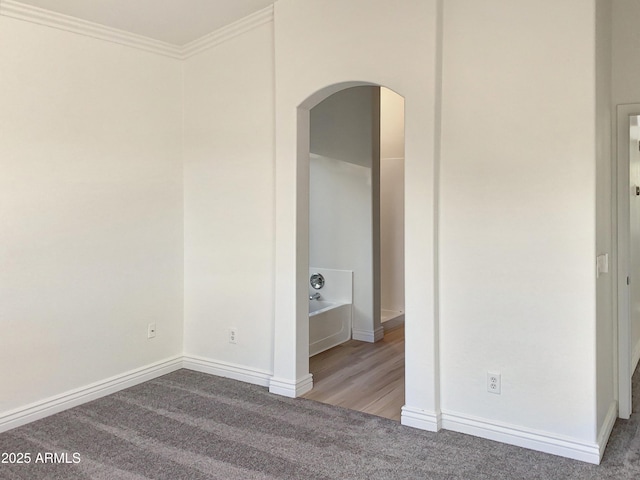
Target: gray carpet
{"type": "Point", "coordinates": [188, 425]}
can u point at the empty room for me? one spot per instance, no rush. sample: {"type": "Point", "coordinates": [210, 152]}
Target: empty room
{"type": "Point", "coordinates": [180, 233]}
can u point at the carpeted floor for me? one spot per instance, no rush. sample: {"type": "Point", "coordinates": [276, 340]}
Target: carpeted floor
{"type": "Point", "coordinates": [188, 425]}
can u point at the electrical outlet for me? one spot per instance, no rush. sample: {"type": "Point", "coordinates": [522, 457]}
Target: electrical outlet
{"type": "Point", "coordinates": [493, 382]}
{"type": "Point", "coordinates": [151, 330]}
{"type": "Point", "coordinates": [233, 335]}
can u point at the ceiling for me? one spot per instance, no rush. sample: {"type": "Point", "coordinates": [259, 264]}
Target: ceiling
{"type": "Point", "coordinates": [177, 22]}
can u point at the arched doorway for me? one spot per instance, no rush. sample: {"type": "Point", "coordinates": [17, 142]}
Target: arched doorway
{"type": "Point", "coordinates": [291, 326]}
{"type": "Point", "coordinates": [356, 245]}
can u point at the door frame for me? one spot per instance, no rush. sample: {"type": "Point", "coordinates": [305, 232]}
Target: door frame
{"type": "Point", "coordinates": [290, 375]}
{"type": "Point", "coordinates": [625, 349]}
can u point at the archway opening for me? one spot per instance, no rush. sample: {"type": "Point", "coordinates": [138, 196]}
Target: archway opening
{"type": "Point", "coordinates": [356, 246]}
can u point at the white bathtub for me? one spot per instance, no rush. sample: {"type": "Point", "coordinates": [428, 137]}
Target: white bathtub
{"type": "Point", "coordinates": [329, 325]}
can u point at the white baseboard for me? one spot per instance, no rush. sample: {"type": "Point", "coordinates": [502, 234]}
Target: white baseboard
{"type": "Point", "coordinates": [411, 416]}
{"type": "Point", "coordinates": [78, 396]}
{"type": "Point", "coordinates": [228, 370]}
{"type": "Point", "coordinates": [368, 335]}
{"type": "Point", "coordinates": [286, 388]}
{"type": "Point", "coordinates": [422, 419]}
{"type": "Point", "coordinates": [607, 427]}
{"type": "Point", "coordinates": [393, 323]}
{"type": "Point", "coordinates": [522, 437]}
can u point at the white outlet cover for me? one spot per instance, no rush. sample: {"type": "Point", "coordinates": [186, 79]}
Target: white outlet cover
{"type": "Point", "coordinates": [233, 335]}
{"type": "Point", "coordinates": [494, 382]}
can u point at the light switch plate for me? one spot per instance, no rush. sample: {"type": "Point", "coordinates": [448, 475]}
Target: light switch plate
{"type": "Point", "coordinates": [602, 263]}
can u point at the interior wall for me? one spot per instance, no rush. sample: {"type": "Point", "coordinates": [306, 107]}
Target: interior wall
{"type": "Point", "coordinates": [91, 200]}
{"type": "Point", "coordinates": [341, 126]}
{"type": "Point", "coordinates": [321, 48]}
{"type": "Point", "coordinates": [229, 201]}
{"type": "Point", "coordinates": [391, 124]}
{"type": "Point", "coordinates": [625, 90]}
{"type": "Point", "coordinates": [340, 231]}
{"type": "Point", "coordinates": [606, 354]}
{"type": "Point", "coordinates": [340, 197]}
{"type": "Point", "coordinates": [391, 200]}
{"type": "Point", "coordinates": [90, 210]}
{"type": "Point", "coordinates": [625, 43]}
{"type": "Point", "coordinates": [517, 222]}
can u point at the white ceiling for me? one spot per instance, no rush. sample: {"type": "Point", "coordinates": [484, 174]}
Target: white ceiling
{"type": "Point", "coordinates": [173, 21]}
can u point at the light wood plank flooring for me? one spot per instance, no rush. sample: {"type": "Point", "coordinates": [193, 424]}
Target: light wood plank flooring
{"type": "Point", "coordinates": [368, 377]}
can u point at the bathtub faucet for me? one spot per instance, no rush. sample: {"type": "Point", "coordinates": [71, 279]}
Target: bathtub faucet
{"type": "Point", "coordinates": [315, 296]}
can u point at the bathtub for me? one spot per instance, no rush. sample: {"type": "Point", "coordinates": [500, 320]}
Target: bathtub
{"type": "Point", "coordinates": [329, 325]}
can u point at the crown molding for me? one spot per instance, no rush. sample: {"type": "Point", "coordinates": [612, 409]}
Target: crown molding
{"type": "Point", "coordinates": [28, 13]}
{"type": "Point", "coordinates": [41, 16]}
{"type": "Point", "coordinates": [226, 33]}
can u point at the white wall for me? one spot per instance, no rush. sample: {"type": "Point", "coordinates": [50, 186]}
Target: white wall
{"type": "Point", "coordinates": [340, 197]}
{"type": "Point", "coordinates": [342, 126]}
{"type": "Point", "coordinates": [391, 124]}
{"type": "Point", "coordinates": [605, 330]}
{"type": "Point", "coordinates": [229, 201]}
{"type": "Point", "coordinates": [517, 249]}
{"type": "Point", "coordinates": [625, 43]}
{"type": "Point", "coordinates": [91, 202]}
{"type": "Point", "coordinates": [625, 89]}
{"type": "Point", "coordinates": [322, 47]}
{"type": "Point", "coordinates": [391, 200]}
{"type": "Point", "coordinates": [90, 210]}
{"type": "Point", "coordinates": [340, 231]}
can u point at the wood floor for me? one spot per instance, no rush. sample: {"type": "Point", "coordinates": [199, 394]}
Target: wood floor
{"type": "Point", "coordinates": [368, 377]}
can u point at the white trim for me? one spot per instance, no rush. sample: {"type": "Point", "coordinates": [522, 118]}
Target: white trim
{"type": "Point", "coordinates": [624, 341]}
{"type": "Point", "coordinates": [523, 437]}
{"type": "Point", "coordinates": [228, 370]}
{"type": "Point", "coordinates": [607, 427]}
{"type": "Point", "coordinates": [48, 18]}
{"type": "Point", "coordinates": [393, 323]}
{"type": "Point", "coordinates": [226, 33]}
{"type": "Point", "coordinates": [422, 419]}
{"type": "Point", "coordinates": [368, 335]}
{"type": "Point", "coordinates": [282, 386]}
{"type": "Point", "coordinates": [411, 416]}
{"type": "Point", "coordinates": [378, 334]}
{"type": "Point", "coordinates": [40, 16]}
{"type": "Point", "coordinates": [78, 396]}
